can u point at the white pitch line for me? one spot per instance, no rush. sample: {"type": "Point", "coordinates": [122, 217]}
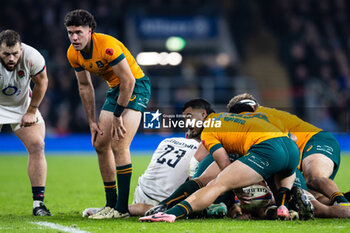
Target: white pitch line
{"type": "Point", "coordinates": [60, 227]}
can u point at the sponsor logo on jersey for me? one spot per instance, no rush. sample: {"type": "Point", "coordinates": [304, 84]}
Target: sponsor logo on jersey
{"type": "Point", "coordinates": [20, 73]}
{"type": "Point", "coordinates": [99, 64]}
{"type": "Point", "coordinates": [133, 98]}
{"type": "Point", "coordinates": [308, 149]}
{"type": "Point", "coordinates": [109, 52]}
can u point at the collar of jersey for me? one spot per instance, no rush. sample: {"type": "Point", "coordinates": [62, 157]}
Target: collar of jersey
{"type": "Point", "coordinates": [88, 55]}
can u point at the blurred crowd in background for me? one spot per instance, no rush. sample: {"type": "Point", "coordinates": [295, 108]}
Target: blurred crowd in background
{"type": "Point", "coordinates": [314, 44]}
{"type": "Point", "coordinates": [312, 37]}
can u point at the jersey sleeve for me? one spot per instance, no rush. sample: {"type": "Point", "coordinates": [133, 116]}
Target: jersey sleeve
{"type": "Point", "coordinates": [112, 52]}
{"type": "Point", "coordinates": [36, 61]}
{"type": "Point", "coordinates": [210, 141]}
{"type": "Point", "coordinates": [73, 61]}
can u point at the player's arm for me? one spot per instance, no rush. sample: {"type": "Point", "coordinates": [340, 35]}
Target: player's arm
{"type": "Point", "coordinates": [199, 155]}
{"type": "Point", "coordinates": [214, 146]}
{"type": "Point", "coordinates": [40, 81]}
{"type": "Point", "coordinates": [221, 158]}
{"type": "Point", "coordinates": [87, 95]}
{"type": "Point", "coordinates": [127, 83]}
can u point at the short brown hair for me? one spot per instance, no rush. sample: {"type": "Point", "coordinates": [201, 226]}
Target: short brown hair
{"type": "Point", "coordinates": [9, 37]}
{"type": "Point", "coordinates": [80, 18]}
{"type": "Point", "coordinates": [235, 100]}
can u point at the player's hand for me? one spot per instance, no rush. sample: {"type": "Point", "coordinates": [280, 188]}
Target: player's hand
{"type": "Point", "coordinates": [28, 119]}
{"type": "Point", "coordinates": [118, 129]}
{"type": "Point", "coordinates": [95, 130]}
{"type": "Point", "coordinates": [243, 197]}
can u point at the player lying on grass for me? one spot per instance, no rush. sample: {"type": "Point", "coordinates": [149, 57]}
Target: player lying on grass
{"type": "Point", "coordinates": [207, 171]}
{"type": "Point", "coordinates": [169, 167]}
{"type": "Point", "coordinates": [320, 151]}
{"type": "Point", "coordinates": [266, 152]}
{"type": "Point", "coordinates": [21, 64]}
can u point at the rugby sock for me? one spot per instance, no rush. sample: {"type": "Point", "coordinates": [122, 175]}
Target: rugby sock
{"type": "Point", "coordinates": [347, 195]}
{"type": "Point", "coordinates": [338, 197]}
{"type": "Point", "coordinates": [111, 194]}
{"type": "Point", "coordinates": [123, 177]}
{"type": "Point", "coordinates": [38, 193]}
{"type": "Point", "coordinates": [180, 210]}
{"type": "Point", "coordinates": [283, 197]}
{"type": "Point", "coordinates": [182, 192]}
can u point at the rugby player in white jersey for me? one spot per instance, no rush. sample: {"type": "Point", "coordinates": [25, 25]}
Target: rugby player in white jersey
{"type": "Point", "coordinates": [167, 170]}
{"type": "Point", "coordinates": [21, 64]}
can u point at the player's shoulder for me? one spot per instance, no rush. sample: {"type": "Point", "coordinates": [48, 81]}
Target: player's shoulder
{"type": "Point", "coordinates": [104, 39]}
{"type": "Point", "coordinates": [265, 109]}
{"type": "Point", "coordinates": [71, 52]}
{"type": "Point", "coordinates": [269, 110]}
{"type": "Point", "coordinates": [32, 56]}
{"type": "Point", "coordinates": [29, 51]}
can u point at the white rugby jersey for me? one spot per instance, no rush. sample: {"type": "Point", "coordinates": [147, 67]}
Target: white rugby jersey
{"type": "Point", "coordinates": [15, 89]}
{"type": "Point", "coordinates": [168, 168]}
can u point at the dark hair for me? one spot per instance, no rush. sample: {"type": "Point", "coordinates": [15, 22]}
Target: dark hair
{"type": "Point", "coordinates": [9, 37]}
{"type": "Point", "coordinates": [80, 18]}
{"type": "Point", "coordinates": [199, 104]}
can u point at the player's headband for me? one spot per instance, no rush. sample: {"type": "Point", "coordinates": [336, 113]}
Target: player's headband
{"type": "Point", "coordinates": [248, 101]}
{"type": "Point", "coordinates": [246, 105]}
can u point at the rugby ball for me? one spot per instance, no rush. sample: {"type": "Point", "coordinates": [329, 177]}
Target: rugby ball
{"type": "Point", "coordinates": [261, 197]}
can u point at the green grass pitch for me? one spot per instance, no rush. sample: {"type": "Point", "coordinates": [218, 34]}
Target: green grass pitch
{"type": "Point", "coordinates": [74, 183]}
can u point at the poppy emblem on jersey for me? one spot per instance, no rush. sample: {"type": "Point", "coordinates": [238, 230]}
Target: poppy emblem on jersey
{"type": "Point", "coordinates": [20, 73]}
{"type": "Point", "coordinates": [203, 142]}
{"type": "Point", "coordinates": [109, 52]}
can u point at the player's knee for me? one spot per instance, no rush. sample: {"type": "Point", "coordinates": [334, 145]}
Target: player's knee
{"type": "Point", "coordinates": [101, 146]}
{"type": "Point", "coordinates": [36, 147]}
{"type": "Point", "coordinates": [204, 179]}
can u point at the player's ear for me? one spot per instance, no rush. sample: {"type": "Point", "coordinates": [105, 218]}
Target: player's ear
{"type": "Point", "coordinates": [204, 113]}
